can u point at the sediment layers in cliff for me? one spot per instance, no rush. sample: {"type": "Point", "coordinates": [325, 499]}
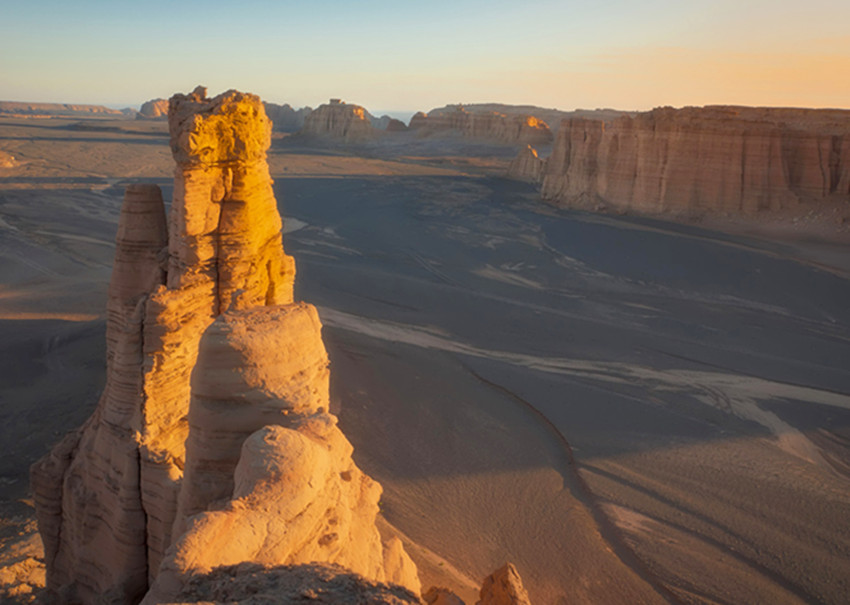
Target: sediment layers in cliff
{"type": "Point", "coordinates": [340, 120]}
{"type": "Point", "coordinates": [491, 125]}
{"type": "Point", "coordinates": [244, 431]}
{"type": "Point", "coordinates": [702, 160]}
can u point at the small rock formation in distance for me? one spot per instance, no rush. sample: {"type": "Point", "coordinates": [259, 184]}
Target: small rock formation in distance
{"type": "Point", "coordinates": [340, 120]}
{"type": "Point", "coordinates": [493, 126]}
{"type": "Point", "coordinates": [527, 166]}
{"type": "Point", "coordinates": [155, 109]}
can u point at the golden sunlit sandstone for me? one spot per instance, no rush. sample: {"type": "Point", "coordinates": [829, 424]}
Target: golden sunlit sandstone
{"type": "Point", "coordinates": [503, 587]}
{"type": "Point", "coordinates": [736, 160]}
{"type": "Point", "coordinates": [339, 120]}
{"type": "Point", "coordinates": [254, 469]}
{"type": "Point", "coordinates": [490, 125]}
{"type": "Point", "coordinates": [155, 109]}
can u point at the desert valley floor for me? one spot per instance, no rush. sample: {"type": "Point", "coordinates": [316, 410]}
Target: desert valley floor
{"type": "Point", "coordinates": [494, 361]}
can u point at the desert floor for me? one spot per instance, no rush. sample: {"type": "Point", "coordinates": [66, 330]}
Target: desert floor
{"type": "Point", "coordinates": [500, 365]}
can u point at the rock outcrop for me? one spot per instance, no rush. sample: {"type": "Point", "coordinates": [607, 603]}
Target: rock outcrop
{"type": "Point", "coordinates": [340, 120]}
{"type": "Point", "coordinates": [503, 587]}
{"type": "Point", "coordinates": [492, 126]}
{"type": "Point", "coordinates": [211, 444]}
{"type": "Point", "coordinates": [7, 160]}
{"type": "Point", "coordinates": [286, 119]}
{"type": "Point", "coordinates": [318, 584]}
{"type": "Point", "coordinates": [527, 166]}
{"type": "Point", "coordinates": [702, 160]}
{"type": "Point", "coordinates": [155, 109]}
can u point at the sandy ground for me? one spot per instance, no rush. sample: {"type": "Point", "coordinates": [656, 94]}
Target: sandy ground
{"type": "Point", "coordinates": [527, 383]}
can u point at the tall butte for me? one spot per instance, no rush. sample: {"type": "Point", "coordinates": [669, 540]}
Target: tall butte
{"type": "Point", "coordinates": [211, 444]}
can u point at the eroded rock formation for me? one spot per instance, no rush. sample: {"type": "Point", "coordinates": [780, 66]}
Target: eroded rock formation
{"type": "Point", "coordinates": [286, 119]}
{"type": "Point", "coordinates": [491, 125]}
{"type": "Point", "coordinates": [155, 109]}
{"type": "Point", "coordinates": [340, 120]}
{"type": "Point", "coordinates": [527, 166]}
{"type": "Point", "coordinates": [211, 443]}
{"type": "Point", "coordinates": [503, 587]}
{"type": "Point", "coordinates": [695, 160]}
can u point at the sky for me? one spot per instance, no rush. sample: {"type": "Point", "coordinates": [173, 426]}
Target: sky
{"type": "Point", "coordinates": [406, 56]}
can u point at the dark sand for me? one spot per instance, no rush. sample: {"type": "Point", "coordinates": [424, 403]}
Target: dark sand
{"type": "Point", "coordinates": [496, 361]}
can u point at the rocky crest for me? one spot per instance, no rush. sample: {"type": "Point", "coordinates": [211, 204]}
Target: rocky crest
{"type": "Point", "coordinates": [696, 160]}
{"type": "Point", "coordinates": [493, 126]}
{"type": "Point", "coordinates": [155, 109]}
{"type": "Point", "coordinates": [340, 120]}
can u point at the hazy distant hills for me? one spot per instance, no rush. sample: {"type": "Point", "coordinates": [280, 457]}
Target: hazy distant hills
{"type": "Point", "coordinates": [26, 109]}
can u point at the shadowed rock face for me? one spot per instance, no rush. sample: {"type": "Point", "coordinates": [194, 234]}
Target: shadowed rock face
{"type": "Point", "coordinates": [694, 160]}
{"type": "Point", "coordinates": [339, 120]}
{"type": "Point", "coordinates": [527, 166]}
{"type": "Point", "coordinates": [126, 495]}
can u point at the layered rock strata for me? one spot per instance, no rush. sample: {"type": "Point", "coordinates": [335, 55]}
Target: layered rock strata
{"type": "Point", "coordinates": [701, 160]}
{"type": "Point", "coordinates": [493, 126]}
{"type": "Point", "coordinates": [340, 120]}
{"type": "Point", "coordinates": [131, 492]}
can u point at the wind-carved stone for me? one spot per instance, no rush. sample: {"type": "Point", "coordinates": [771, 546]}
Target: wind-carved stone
{"type": "Point", "coordinates": [195, 461]}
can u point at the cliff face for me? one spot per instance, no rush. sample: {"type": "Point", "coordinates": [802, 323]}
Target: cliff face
{"type": "Point", "coordinates": [494, 126]}
{"type": "Point", "coordinates": [340, 120]}
{"type": "Point", "coordinates": [693, 160]}
{"type": "Point", "coordinates": [216, 394]}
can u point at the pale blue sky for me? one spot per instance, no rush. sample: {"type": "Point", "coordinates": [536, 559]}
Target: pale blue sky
{"type": "Point", "coordinates": [408, 56]}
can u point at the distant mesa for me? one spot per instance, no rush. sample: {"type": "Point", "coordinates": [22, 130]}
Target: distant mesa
{"type": "Point", "coordinates": [285, 118]}
{"type": "Point", "coordinates": [339, 120]}
{"type": "Point", "coordinates": [490, 125]}
{"type": "Point", "coordinates": [54, 110]}
{"type": "Point", "coordinates": [155, 109]}
{"type": "Point", "coordinates": [696, 160]}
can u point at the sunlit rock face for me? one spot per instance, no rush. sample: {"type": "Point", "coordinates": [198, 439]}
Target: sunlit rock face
{"type": "Point", "coordinates": [695, 160]}
{"type": "Point", "coordinates": [340, 120]}
{"type": "Point", "coordinates": [211, 443]}
{"type": "Point", "coordinates": [155, 109]}
{"type": "Point", "coordinates": [491, 125]}
{"type": "Point", "coordinates": [503, 587]}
